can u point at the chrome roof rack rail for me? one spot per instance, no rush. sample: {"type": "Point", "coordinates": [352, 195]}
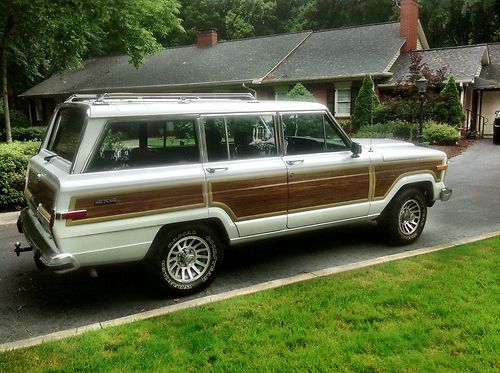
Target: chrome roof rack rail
{"type": "Point", "coordinates": [152, 97]}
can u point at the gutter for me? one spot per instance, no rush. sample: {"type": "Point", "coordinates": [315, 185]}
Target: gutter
{"type": "Point", "coordinates": [147, 88]}
{"type": "Point", "coordinates": [383, 75]}
{"type": "Point", "coordinates": [462, 82]}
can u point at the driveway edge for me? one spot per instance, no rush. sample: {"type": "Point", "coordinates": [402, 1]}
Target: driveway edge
{"type": "Point", "coordinates": [235, 293]}
{"type": "Point", "coordinates": [9, 217]}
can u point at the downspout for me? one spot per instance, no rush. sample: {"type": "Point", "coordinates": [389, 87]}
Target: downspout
{"type": "Point", "coordinates": [251, 90]}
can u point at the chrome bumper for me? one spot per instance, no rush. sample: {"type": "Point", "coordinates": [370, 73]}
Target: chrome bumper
{"type": "Point", "coordinates": [46, 253]}
{"type": "Point", "coordinates": [445, 194]}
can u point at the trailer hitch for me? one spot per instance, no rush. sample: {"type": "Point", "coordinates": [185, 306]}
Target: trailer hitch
{"type": "Point", "coordinates": [18, 250]}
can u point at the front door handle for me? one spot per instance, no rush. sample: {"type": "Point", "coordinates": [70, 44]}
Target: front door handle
{"type": "Point", "coordinates": [215, 169]}
{"type": "Point", "coordinates": [296, 161]}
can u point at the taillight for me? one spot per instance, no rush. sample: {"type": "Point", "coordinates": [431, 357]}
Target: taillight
{"type": "Point", "coordinates": [74, 215]}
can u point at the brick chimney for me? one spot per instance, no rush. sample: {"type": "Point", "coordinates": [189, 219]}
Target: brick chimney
{"type": "Point", "coordinates": [408, 24]}
{"type": "Point", "coordinates": [206, 38]}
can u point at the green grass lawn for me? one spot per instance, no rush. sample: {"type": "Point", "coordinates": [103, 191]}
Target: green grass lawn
{"type": "Point", "coordinates": [437, 312]}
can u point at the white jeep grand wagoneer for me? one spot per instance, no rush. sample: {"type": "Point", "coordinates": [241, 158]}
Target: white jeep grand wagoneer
{"type": "Point", "coordinates": [172, 179]}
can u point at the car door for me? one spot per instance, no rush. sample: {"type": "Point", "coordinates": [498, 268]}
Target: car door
{"type": "Point", "coordinates": [246, 177]}
{"type": "Point", "coordinates": [326, 183]}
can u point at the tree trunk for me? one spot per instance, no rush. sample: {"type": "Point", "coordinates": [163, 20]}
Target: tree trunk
{"type": "Point", "coordinates": [5, 96]}
{"type": "Point", "coordinates": [3, 72]}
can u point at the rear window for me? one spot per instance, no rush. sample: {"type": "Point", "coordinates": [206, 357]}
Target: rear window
{"type": "Point", "coordinates": [67, 131]}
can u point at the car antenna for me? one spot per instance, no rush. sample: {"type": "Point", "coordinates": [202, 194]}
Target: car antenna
{"type": "Point", "coordinates": [371, 119]}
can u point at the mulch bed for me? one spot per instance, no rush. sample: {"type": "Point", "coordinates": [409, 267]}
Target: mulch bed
{"type": "Point", "coordinates": [454, 150]}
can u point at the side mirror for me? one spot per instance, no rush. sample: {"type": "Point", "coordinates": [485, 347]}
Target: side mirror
{"type": "Point", "coordinates": [356, 149]}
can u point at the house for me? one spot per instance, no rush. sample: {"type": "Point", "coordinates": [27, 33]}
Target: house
{"type": "Point", "coordinates": [330, 63]}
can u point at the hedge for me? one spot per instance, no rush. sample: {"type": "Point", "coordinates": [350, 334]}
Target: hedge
{"type": "Point", "coordinates": [394, 129]}
{"type": "Point", "coordinates": [440, 133]}
{"type": "Point", "coordinates": [13, 161]}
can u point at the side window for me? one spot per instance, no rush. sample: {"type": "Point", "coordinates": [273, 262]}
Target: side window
{"type": "Point", "coordinates": [310, 133]}
{"type": "Point", "coordinates": [240, 137]}
{"type": "Point", "coordinates": [138, 144]}
{"type": "Point", "coordinates": [67, 131]}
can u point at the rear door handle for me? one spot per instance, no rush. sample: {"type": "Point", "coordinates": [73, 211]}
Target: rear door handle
{"type": "Point", "coordinates": [296, 161]}
{"type": "Point", "coordinates": [215, 169]}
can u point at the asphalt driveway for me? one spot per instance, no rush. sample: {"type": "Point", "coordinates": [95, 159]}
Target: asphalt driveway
{"type": "Point", "coordinates": [34, 303]}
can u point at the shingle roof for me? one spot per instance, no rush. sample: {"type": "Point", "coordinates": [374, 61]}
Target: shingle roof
{"type": "Point", "coordinates": [232, 61]}
{"type": "Point", "coordinates": [492, 71]}
{"type": "Point", "coordinates": [465, 63]}
{"type": "Point", "coordinates": [343, 52]}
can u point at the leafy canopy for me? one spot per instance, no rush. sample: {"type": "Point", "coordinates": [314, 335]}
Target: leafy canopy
{"type": "Point", "coordinates": [45, 36]}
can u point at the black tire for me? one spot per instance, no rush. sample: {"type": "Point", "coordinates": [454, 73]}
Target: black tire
{"type": "Point", "coordinates": [186, 259]}
{"type": "Point", "coordinates": [404, 218]}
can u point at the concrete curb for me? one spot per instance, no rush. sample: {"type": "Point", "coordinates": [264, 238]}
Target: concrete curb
{"type": "Point", "coordinates": [9, 217]}
{"type": "Point", "coordinates": [235, 293]}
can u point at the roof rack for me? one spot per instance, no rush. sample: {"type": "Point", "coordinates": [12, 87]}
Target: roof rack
{"type": "Point", "coordinates": [152, 97]}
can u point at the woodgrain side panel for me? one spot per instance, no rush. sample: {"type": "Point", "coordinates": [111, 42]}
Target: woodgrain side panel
{"type": "Point", "coordinates": [120, 205]}
{"type": "Point", "coordinates": [386, 175]}
{"type": "Point", "coordinates": [328, 187]}
{"type": "Point", "coordinates": [244, 199]}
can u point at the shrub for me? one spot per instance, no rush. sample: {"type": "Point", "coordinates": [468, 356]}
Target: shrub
{"type": "Point", "coordinates": [449, 109]}
{"type": "Point", "coordinates": [33, 133]}
{"type": "Point", "coordinates": [21, 128]}
{"type": "Point", "coordinates": [366, 102]}
{"type": "Point", "coordinates": [383, 114]}
{"type": "Point", "coordinates": [13, 161]}
{"type": "Point", "coordinates": [345, 124]}
{"type": "Point", "coordinates": [300, 93]}
{"type": "Point", "coordinates": [394, 129]}
{"type": "Point", "coordinates": [440, 133]}
{"type": "Point", "coordinates": [17, 119]}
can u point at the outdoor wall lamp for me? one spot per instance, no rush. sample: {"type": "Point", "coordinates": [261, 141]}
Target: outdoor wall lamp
{"type": "Point", "coordinates": [422, 90]}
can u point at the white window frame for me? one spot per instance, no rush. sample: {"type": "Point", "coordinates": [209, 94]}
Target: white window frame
{"type": "Point", "coordinates": [342, 87]}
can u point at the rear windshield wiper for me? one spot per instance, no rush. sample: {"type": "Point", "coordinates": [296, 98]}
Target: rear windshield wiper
{"type": "Point", "coordinates": [49, 157]}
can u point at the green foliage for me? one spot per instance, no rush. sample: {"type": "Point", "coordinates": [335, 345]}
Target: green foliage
{"type": "Point", "coordinates": [247, 16]}
{"type": "Point", "coordinates": [398, 129]}
{"type": "Point", "coordinates": [40, 37]}
{"type": "Point", "coordinates": [345, 124]}
{"type": "Point", "coordinates": [13, 161]}
{"type": "Point", "coordinates": [300, 93]}
{"type": "Point", "coordinates": [440, 133]}
{"type": "Point", "coordinates": [383, 113]}
{"type": "Point", "coordinates": [460, 22]}
{"type": "Point", "coordinates": [32, 133]}
{"type": "Point", "coordinates": [449, 109]}
{"type": "Point", "coordinates": [366, 102]}
{"type": "Point", "coordinates": [17, 119]}
{"type": "Point", "coordinates": [446, 22]}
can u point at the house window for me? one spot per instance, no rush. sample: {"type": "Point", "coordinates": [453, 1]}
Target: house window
{"type": "Point", "coordinates": [343, 101]}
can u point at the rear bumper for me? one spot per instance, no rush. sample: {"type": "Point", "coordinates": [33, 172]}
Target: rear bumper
{"type": "Point", "coordinates": [46, 253]}
{"type": "Point", "coordinates": [445, 194]}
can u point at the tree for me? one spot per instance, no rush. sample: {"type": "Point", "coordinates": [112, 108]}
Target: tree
{"type": "Point", "coordinates": [40, 37]}
{"type": "Point", "coordinates": [366, 102]}
{"type": "Point", "coordinates": [449, 108]}
{"type": "Point", "coordinates": [300, 93]}
{"type": "Point", "coordinates": [251, 18]}
{"type": "Point", "coordinates": [460, 22]}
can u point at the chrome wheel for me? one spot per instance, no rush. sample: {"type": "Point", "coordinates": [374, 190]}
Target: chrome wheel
{"type": "Point", "coordinates": [188, 259]}
{"type": "Point", "coordinates": [410, 215]}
